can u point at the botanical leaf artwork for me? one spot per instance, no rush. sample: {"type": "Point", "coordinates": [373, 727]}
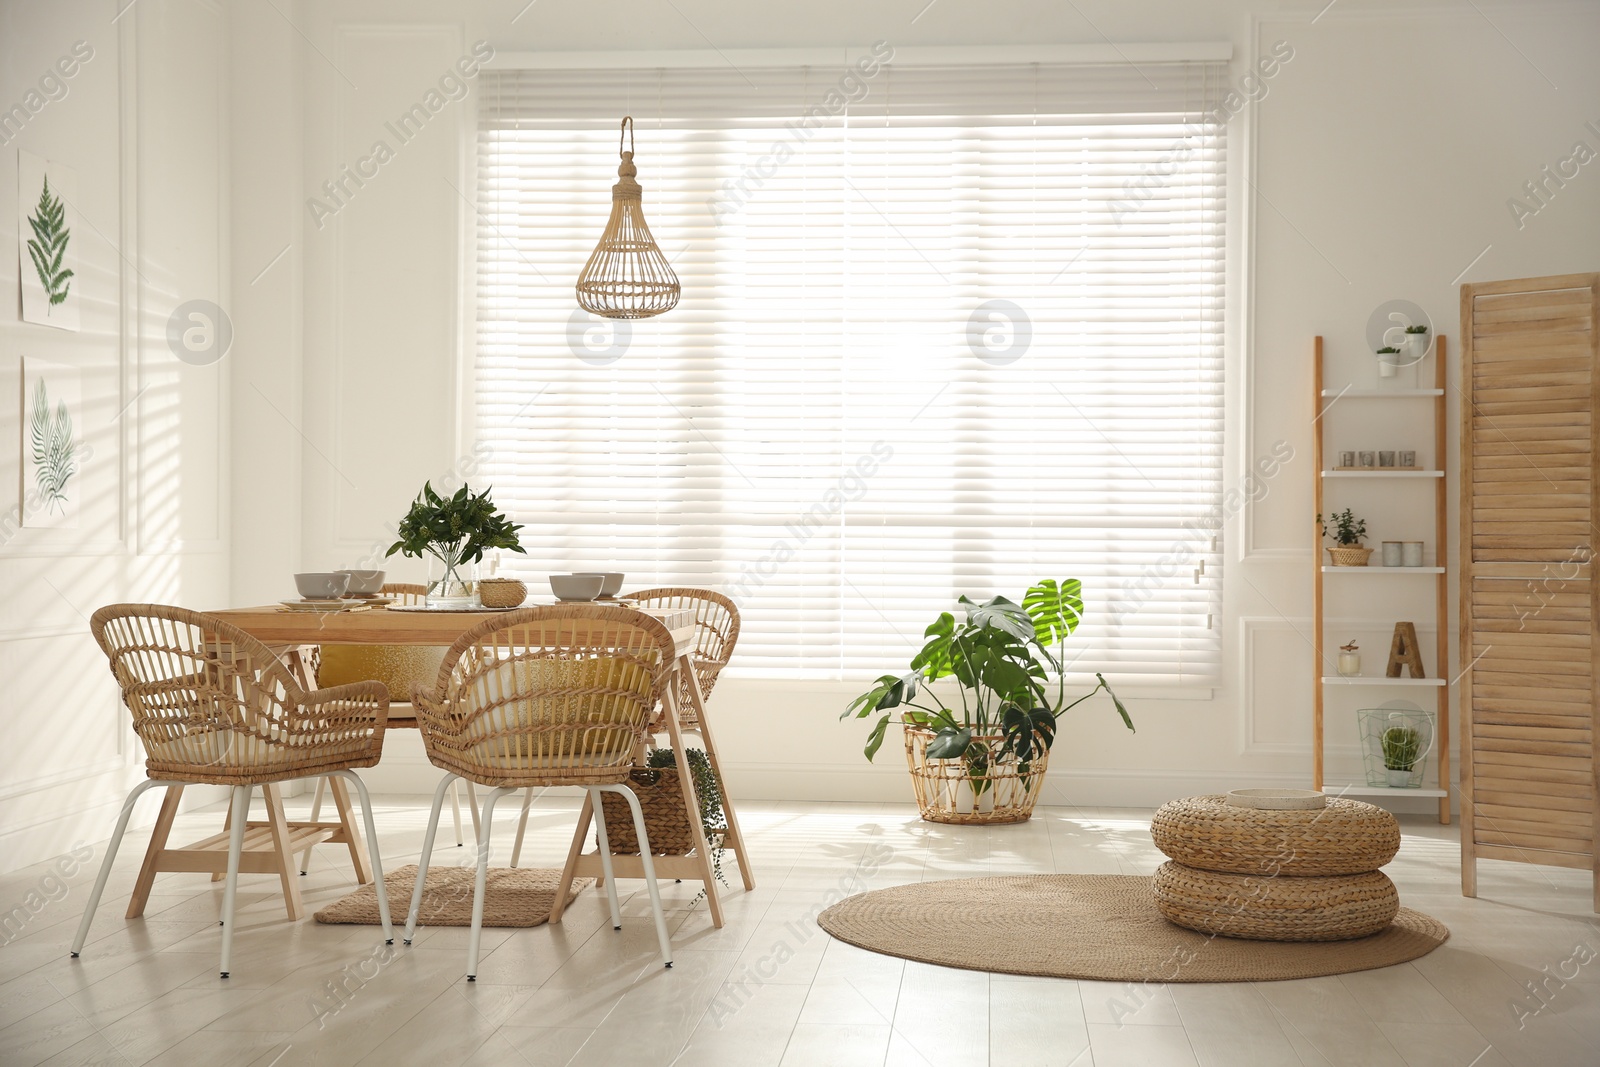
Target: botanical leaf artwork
{"type": "Point", "coordinates": [48, 246]}
{"type": "Point", "coordinates": [55, 451]}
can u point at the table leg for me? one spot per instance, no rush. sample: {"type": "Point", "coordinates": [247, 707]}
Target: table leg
{"type": "Point", "coordinates": [692, 801]}
{"type": "Point", "coordinates": [734, 835]}
{"type": "Point", "coordinates": [227, 825]}
{"type": "Point", "coordinates": [316, 813]}
{"type": "Point", "coordinates": [282, 852]}
{"type": "Point", "coordinates": [158, 841]}
{"type": "Point", "coordinates": [564, 887]}
{"type": "Point", "coordinates": [351, 835]}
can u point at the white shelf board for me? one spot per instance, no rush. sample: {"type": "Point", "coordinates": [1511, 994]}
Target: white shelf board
{"type": "Point", "coordinates": [1367, 394]}
{"type": "Point", "coordinates": [1376, 472]}
{"type": "Point", "coordinates": [1378, 791]}
{"type": "Point", "coordinates": [1381, 570]}
{"type": "Point", "coordinates": [1368, 680]}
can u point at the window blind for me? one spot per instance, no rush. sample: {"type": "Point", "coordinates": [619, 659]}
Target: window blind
{"type": "Point", "coordinates": [944, 331]}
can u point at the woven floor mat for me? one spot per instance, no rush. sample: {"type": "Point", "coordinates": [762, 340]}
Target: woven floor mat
{"type": "Point", "coordinates": [513, 896]}
{"type": "Point", "coordinates": [1094, 926]}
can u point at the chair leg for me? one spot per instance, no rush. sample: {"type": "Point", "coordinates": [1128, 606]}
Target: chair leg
{"type": "Point", "coordinates": [427, 853]}
{"type": "Point", "coordinates": [472, 807]}
{"type": "Point", "coordinates": [649, 869]}
{"type": "Point", "coordinates": [372, 847]}
{"type": "Point", "coordinates": [522, 825]}
{"type": "Point", "coordinates": [455, 811]}
{"type": "Point", "coordinates": [605, 857]}
{"type": "Point", "coordinates": [152, 856]}
{"type": "Point", "coordinates": [105, 864]}
{"type": "Point", "coordinates": [480, 886]}
{"type": "Point", "coordinates": [316, 813]}
{"type": "Point", "coordinates": [241, 816]}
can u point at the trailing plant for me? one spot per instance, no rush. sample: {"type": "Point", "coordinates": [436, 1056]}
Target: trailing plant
{"type": "Point", "coordinates": [707, 789]}
{"type": "Point", "coordinates": [1401, 745]}
{"type": "Point", "coordinates": [1347, 529]}
{"type": "Point", "coordinates": [55, 450]}
{"type": "Point", "coordinates": [1002, 658]}
{"type": "Point", "coordinates": [457, 529]}
{"type": "Point", "coordinates": [48, 245]}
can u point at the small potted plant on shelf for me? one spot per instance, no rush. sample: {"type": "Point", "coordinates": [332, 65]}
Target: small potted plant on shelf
{"type": "Point", "coordinates": [985, 762]}
{"type": "Point", "coordinates": [1401, 746]}
{"type": "Point", "coordinates": [453, 533]}
{"type": "Point", "coordinates": [1347, 533]}
{"type": "Point", "coordinates": [1417, 342]}
{"type": "Point", "coordinates": [1388, 361]}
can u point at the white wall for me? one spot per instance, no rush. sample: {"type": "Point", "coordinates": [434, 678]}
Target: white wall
{"type": "Point", "coordinates": [144, 123]}
{"type": "Point", "coordinates": [1376, 167]}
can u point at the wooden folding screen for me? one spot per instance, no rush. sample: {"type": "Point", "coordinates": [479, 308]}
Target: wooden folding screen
{"type": "Point", "coordinates": [1530, 461]}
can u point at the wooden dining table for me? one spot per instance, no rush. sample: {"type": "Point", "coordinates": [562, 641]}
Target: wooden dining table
{"type": "Point", "coordinates": [297, 634]}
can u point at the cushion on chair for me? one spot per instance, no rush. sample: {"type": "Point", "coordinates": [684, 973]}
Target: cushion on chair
{"type": "Point", "coordinates": [551, 692]}
{"type": "Point", "coordinates": [396, 666]}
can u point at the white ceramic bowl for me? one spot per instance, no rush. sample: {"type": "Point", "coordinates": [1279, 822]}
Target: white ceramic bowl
{"type": "Point", "coordinates": [576, 586]}
{"type": "Point", "coordinates": [611, 581]}
{"type": "Point", "coordinates": [322, 585]}
{"type": "Point", "coordinates": [364, 581]}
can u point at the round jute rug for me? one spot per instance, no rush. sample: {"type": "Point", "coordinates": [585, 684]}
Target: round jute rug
{"type": "Point", "coordinates": [1097, 926]}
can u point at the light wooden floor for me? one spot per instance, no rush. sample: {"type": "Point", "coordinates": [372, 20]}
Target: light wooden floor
{"type": "Point", "coordinates": [769, 988]}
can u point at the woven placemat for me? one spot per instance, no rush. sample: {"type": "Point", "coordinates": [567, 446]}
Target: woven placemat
{"type": "Point", "coordinates": [1097, 926]}
{"type": "Point", "coordinates": [513, 896]}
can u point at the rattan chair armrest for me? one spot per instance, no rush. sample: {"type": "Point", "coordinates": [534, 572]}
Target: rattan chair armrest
{"type": "Point", "coordinates": [434, 709]}
{"type": "Point", "coordinates": [360, 695]}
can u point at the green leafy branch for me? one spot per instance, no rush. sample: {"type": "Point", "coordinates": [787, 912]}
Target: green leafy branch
{"type": "Point", "coordinates": [55, 453]}
{"type": "Point", "coordinates": [457, 528]}
{"type": "Point", "coordinates": [48, 246]}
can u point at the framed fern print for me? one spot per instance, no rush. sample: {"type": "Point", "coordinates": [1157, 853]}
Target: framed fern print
{"type": "Point", "coordinates": [48, 239]}
{"type": "Point", "coordinates": [53, 450]}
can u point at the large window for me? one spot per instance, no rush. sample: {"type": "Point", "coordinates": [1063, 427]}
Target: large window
{"type": "Point", "coordinates": [943, 331]}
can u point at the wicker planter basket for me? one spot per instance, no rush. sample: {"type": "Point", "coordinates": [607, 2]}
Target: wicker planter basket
{"type": "Point", "coordinates": [1345, 837]}
{"type": "Point", "coordinates": [944, 786]}
{"type": "Point", "coordinates": [1349, 556]}
{"type": "Point", "coordinates": [665, 818]}
{"type": "Point", "coordinates": [1259, 908]}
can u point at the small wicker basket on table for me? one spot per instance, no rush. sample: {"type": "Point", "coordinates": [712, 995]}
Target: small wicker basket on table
{"type": "Point", "coordinates": [1273, 875]}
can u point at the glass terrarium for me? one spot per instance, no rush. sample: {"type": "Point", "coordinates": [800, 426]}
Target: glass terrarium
{"type": "Point", "coordinates": [1395, 742]}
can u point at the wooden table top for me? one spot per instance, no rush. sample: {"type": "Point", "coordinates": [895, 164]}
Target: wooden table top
{"type": "Point", "coordinates": [276, 625]}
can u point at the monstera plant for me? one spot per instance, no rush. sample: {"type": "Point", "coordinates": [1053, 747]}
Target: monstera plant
{"type": "Point", "coordinates": [1006, 660]}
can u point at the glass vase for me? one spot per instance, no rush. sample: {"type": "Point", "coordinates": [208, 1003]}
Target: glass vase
{"type": "Point", "coordinates": [452, 581]}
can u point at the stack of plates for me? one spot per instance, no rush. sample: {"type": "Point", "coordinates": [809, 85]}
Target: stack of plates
{"type": "Point", "coordinates": [334, 604]}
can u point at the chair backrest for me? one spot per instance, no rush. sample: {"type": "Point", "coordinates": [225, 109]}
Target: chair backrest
{"type": "Point", "coordinates": [406, 592]}
{"type": "Point", "coordinates": [207, 698]}
{"type": "Point", "coordinates": [716, 620]}
{"type": "Point", "coordinates": [555, 695]}
{"type": "Point", "coordinates": [399, 667]}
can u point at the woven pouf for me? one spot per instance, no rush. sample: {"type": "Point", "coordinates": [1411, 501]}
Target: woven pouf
{"type": "Point", "coordinates": [1262, 908]}
{"type": "Point", "coordinates": [1346, 837]}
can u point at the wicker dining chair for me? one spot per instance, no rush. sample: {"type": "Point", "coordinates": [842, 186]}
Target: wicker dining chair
{"type": "Point", "coordinates": [399, 668]}
{"type": "Point", "coordinates": [716, 622]}
{"type": "Point", "coordinates": [549, 696]}
{"type": "Point", "coordinates": [214, 706]}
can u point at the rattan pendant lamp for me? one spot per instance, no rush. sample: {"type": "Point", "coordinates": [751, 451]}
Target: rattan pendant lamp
{"type": "Point", "coordinates": [627, 277]}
